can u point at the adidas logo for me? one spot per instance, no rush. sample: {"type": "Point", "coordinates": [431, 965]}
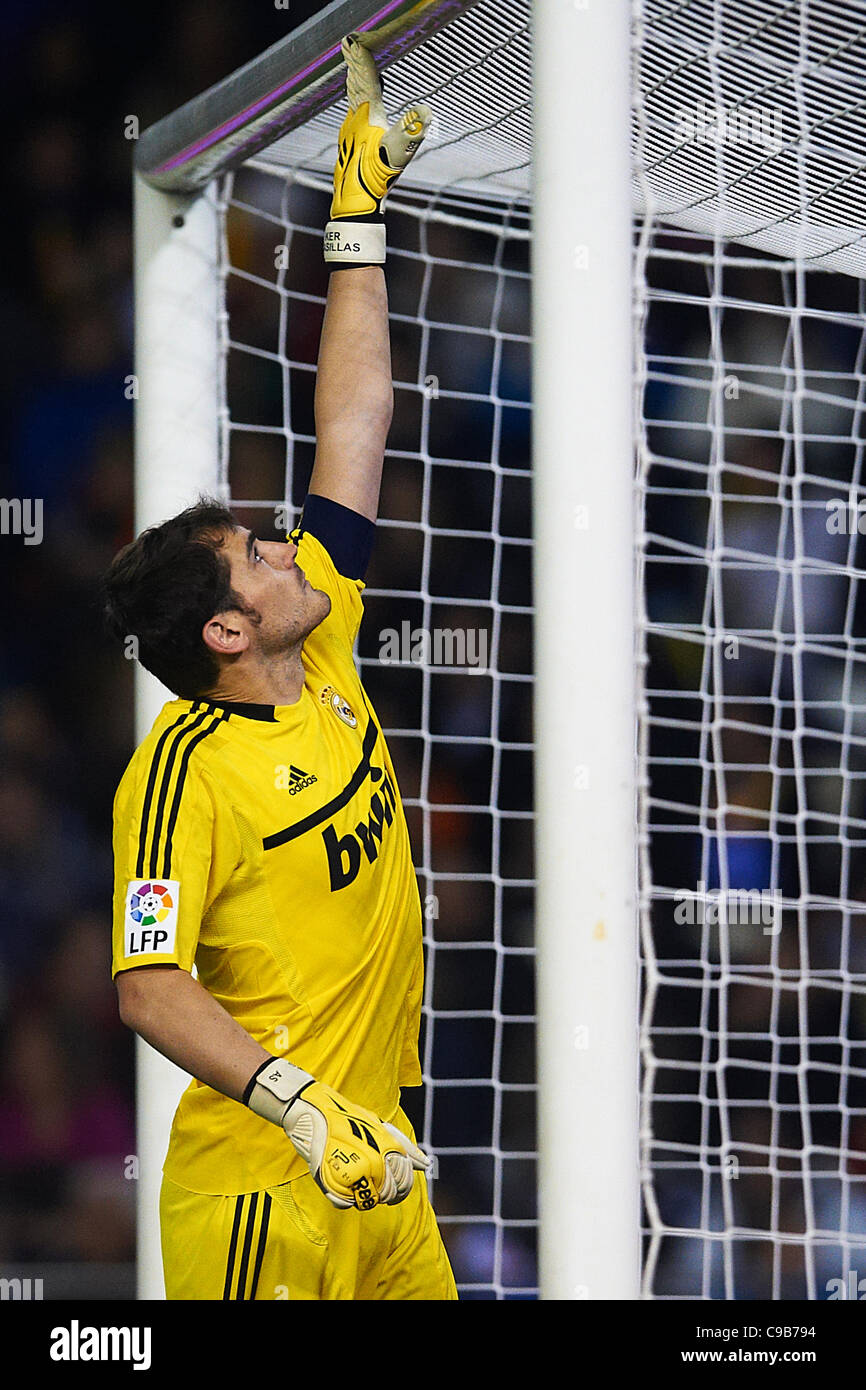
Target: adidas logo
{"type": "Point", "coordinates": [299, 781]}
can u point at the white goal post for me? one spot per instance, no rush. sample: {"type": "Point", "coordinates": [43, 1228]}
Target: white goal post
{"type": "Point", "coordinates": [684, 187]}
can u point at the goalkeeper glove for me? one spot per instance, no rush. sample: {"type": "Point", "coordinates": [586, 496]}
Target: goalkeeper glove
{"type": "Point", "coordinates": [357, 1159]}
{"type": "Point", "coordinates": [370, 156]}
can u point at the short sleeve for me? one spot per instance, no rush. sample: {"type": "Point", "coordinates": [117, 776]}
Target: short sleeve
{"type": "Point", "coordinates": [346, 535]}
{"type": "Point", "coordinates": [164, 866]}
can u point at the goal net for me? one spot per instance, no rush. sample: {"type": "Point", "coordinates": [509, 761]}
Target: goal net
{"type": "Point", "coordinates": [750, 381]}
{"type": "Point", "coordinates": [749, 371]}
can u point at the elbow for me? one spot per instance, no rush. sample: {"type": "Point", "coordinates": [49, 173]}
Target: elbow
{"type": "Point", "coordinates": [128, 1000]}
{"type": "Point", "coordinates": [368, 418]}
{"type": "Point", "coordinates": [137, 992]}
{"type": "Point", "coordinates": [387, 415]}
{"type": "Point", "coordinates": [379, 413]}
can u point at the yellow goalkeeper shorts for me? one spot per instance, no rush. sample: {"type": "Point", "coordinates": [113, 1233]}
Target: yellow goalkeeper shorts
{"type": "Point", "coordinates": [289, 1242]}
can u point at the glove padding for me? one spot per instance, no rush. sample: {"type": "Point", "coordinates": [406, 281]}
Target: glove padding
{"type": "Point", "coordinates": [370, 156]}
{"type": "Point", "coordinates": [357, 1159]}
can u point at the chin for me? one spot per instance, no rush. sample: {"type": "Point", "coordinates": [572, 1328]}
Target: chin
{"type": "Point", "coordinates": [319, 604]}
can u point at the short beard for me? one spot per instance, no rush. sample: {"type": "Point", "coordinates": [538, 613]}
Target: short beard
{"type": "Point", "coordinates": [283, 643]}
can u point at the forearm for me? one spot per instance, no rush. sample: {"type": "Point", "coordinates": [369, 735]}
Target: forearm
{"type": "Point", "coordinates": [354, 390]}
{"type": "Point", "coordinates": [177, 1016]}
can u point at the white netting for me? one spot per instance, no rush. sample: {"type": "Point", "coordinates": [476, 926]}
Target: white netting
{"type": "Point", "coordinates": [755, 744]}
{"type": "Point", "coordinates": [753, 866]}
{"type": "Point", "coordinates": [753, 123]}
{"type": "Point", "coordinates": [750, 375]}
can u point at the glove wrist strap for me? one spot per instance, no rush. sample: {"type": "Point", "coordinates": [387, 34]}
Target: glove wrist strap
{"type": "Point", "coordinates": [272, 1089]}
{"type": "Point", "coordinates": [352, 242]}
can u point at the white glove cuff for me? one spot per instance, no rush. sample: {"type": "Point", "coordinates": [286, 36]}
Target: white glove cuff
{"type": "Point", "coordinates": [348, 242]}
{"type": "Point", "coordinates": [274, 1087]}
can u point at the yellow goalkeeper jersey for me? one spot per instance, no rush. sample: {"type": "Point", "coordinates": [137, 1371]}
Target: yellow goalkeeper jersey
{"type": "Point", "coordinates": [267, 846]}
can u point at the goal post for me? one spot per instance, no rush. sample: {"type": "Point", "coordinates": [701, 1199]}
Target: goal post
{"type": "Point", "coordinates": [584, 655]}
{"type": "Point", "coordinates": [284, 87]}
{"type": "Point", "coordinates": [177, 367]}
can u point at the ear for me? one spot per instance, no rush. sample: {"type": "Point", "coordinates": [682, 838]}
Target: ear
{"type": "Point", "coordinates": [226, 634]}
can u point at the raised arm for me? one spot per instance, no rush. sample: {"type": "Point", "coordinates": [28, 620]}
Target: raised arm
{"type": "Point", "coordinates": [354, 391]}
{"type": "Point", "coordinates": [354, 394]}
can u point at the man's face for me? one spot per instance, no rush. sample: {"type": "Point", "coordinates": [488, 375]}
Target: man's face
{"type": "Point", "coordinates": [265, 575]}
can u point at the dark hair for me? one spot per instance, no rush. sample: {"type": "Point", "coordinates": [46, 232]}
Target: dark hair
{"type": "Point", "coordinates": [164, 586]}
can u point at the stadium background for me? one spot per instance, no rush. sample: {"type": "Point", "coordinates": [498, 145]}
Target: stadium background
{"type": "Point", "coordinates": [66, 731]}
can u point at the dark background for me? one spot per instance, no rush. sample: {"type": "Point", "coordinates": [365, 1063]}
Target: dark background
{"type": "Point", "coordinates": [73, 74]}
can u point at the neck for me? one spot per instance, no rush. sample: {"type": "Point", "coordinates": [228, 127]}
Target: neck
{"type": "Point", "coordinates": [275, 681]}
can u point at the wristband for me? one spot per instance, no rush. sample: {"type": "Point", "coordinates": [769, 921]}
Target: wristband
{"type": "Point", "coordinates": [350, 242]}
{"type": "Point", "coordinates": [273, 1087]}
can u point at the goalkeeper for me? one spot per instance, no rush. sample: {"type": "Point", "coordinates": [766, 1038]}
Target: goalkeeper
{"type": "Point", "coordinates": [260, 838]}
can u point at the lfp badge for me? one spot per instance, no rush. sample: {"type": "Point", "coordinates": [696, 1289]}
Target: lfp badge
{"type": "Point", "coordinates": [151, 916]}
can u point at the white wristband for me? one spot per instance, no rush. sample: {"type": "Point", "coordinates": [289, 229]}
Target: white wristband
{"type": "Point", "coordinates": [355, 243]}
{"type": "Point", "coordinates": [275, 1086]}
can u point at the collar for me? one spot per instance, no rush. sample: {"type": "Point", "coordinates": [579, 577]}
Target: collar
{"type": "Point", "coordinates": [265, 713]}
